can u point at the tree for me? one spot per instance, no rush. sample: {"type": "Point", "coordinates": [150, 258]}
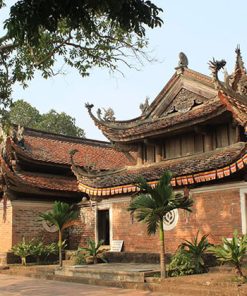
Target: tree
{"type": "Point", "coordinates": [62, 215]}
{"type": "Point", "coordinates": [24, 114]}
{"type": "Point", "coordinates": [84, 34]}
{"type": "Point", "coordinates": [152, 204]}
{"type": "Point", "coordinates": [59, 123]}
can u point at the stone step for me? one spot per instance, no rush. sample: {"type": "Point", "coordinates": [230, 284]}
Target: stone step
{"type": "Point", "coordinates": [102, 274]}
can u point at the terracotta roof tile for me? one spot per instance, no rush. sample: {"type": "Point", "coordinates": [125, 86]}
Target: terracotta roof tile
{"type": "Point", "coordinates": [49, 182]}
{"type": "Point", "coordinates": [35, 180]}
{"type": "Point", "coordinates": [163, 124]}
{"type": "Point", "coordinates": [53, 150]}
{"type": "Point", "coordinates": [184, 166]}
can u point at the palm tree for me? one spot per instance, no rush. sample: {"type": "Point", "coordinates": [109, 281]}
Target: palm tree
{"type": "Point", "coordinates": [152, 204]}
{"type": "Point", "coordinates": [62, 215]}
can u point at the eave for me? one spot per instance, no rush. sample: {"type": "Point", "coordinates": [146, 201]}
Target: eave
{"type": "Point", "coordinates": [155, 120]}
{"type": "Point", "coordinates": [36, 183]}
{"type": "Point", "coordinates": [228, 161]}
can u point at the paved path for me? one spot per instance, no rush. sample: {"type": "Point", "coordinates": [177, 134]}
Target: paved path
{"type": "Point", "coordinates": [23, 286]}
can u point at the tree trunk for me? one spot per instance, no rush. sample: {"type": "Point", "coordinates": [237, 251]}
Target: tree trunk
{"type": "Point", "coordinates": [162, 252]}
{"type": "Point", "coordinates": [60, 248]}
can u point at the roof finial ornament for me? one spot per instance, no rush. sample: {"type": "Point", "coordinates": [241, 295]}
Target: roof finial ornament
{"type": "Point", "coordinates": [239, 65]}
{"type": "Point", "coordinates": [89, 106]}
{"type": "Point", "coordinates": [182, 63]}
{"type": "Point", "coordinates": [108, 115]}
{"type": "Point", "coordinates": [144, 106]}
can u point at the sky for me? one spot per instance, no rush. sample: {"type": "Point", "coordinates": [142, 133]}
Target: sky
{"type": "Point", "coordinates": [200, 29]}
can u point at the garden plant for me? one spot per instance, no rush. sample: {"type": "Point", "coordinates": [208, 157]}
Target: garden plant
{"type": "Point", "coordinates": [152, 204]}
{"type": "Point", "coordinates": [62, 216]}
{"type": "Point", "coordinates": [232, 251]}
{"type": "Point", "coordinates": [188, 259]}
{"type": "Point", "coordinates": [93, 251]}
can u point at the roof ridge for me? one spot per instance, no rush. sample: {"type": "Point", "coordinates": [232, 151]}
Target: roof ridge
{"type": "Point", "coordinates": [59, 137]}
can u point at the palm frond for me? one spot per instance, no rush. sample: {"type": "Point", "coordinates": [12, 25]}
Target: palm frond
{"type": "Point", "coordinates": [60, 215]}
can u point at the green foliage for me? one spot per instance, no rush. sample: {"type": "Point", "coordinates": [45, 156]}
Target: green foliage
{"type": "Point", "coordinates": [40, 250]}
{"type": "Point", "coordinates": [80, 258]}
{"type": "Point", "coordinates": [196, 248]}
{"type": "Point", "coordinates": [28, 18]}
{"type": "Point", "coordinates": [23, 250]}
{"type": "Point", "coordinates": [153, 203]}
{"type": "Point", "coordinates": [63, 216]}
{"type": "Point", "coordinates": [181, 263]}
{"type": "Point", "coordinates": [33, 248]}
{"type": "Point", "coordinates": [82, 34]}
{"type": "Point", "coordinates": [23, 114]}
{"type": "Point", "coordinates": [188, 259]}
{"type": "Point", "coordinates": [93, 250]}
{"type": "Point", "coordinates": [60, 215]}
{"type": "Point", "coordinates": [232, 251]}
{"type": "Point", "coordinates": [59, 123]}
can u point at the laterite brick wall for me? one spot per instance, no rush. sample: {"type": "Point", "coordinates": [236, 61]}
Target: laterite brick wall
{"type": "Point", "coordinates": [84, 228]}
{"type": "Point", "coordinates": [216, 213]}
{"type": "Point", "coordinates": [27, 223]}
{"type": "Point", "coordinates": [5, 227]}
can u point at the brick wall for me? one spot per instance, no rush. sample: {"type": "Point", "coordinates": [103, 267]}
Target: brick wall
{"type": "Point", "coordinates": [214, 213]}
{"type": "Point", "coordinates": [26, 222]}
{"type": "Point", "coordinates": [5, 227]}
{"type": "Point", "coordinates": [85, 228]}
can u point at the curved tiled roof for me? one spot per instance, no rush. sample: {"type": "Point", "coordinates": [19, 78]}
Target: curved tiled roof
{"type": "Point", "coordinates": [40, 181]}
{"type": "Point", "coordinates": [170, 123]}
{"type": "Point", "coordinates": [56, 150]}
{"type": "Point", "coordinates": [194, 169]}
{"type": "Point", "coordinates": [159, 118]}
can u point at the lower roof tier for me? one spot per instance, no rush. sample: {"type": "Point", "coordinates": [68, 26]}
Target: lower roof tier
{"type": "Point", "coordinates": [195, 169]}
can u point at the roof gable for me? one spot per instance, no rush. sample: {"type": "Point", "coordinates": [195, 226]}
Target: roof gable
{"type": "Point", "coordinates": [183, 92]}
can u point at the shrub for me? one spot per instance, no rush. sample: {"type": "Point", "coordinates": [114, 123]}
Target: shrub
{"type": "Point", "coordinates": [188, 259]}
{"type": "Point", "coordinates": [34, 248]}
{"type": "Point", "coordinates": [23, 250]}
{"type": "Point", "coordinates": [181, 263]}
{"type": "Point", "coordinates": [80, 258]}
{"type": "Point", "coordinates": [41, 251]}
{"type": "Point", "coordinates": [196, 248]}
{"type": "Point", "coordinates": [92, 251]}
{"type": "Point", "coordinates": [232, 251]}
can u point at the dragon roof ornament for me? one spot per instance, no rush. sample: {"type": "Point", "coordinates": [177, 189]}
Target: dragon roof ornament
{"type": "Point", "coordinates": [235, 84]}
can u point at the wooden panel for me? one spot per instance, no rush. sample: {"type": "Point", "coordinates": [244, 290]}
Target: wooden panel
{"type": "Point", "coordinates": [150, 153]}
{"type": "Point", "coordinates": [222, 136]}
{"type": "Point", "coordinates": [232, 134]}
{"type": "Point", "coordinates": [173, 148]}
{"type": "Point", "coordinates": [198, 140]}
{"type": "Point", "coordinates": [187, 144]}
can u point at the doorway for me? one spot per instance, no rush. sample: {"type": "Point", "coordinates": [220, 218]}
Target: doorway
{"type": "Point", "coordinates": [104, 226]}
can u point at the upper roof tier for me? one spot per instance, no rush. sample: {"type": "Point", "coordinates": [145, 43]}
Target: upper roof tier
{"type": "Point", "coordinates": [188, 99]}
